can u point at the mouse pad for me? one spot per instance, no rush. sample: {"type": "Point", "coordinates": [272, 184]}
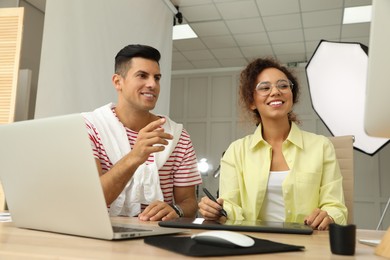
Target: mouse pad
{"type": "Point", "coordinates": [187, 246]}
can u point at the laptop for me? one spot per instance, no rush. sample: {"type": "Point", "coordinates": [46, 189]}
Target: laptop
{"type": "Point", "coordinates": [51, 182]}
{"type": "Point", "coordinates": [244, 225]}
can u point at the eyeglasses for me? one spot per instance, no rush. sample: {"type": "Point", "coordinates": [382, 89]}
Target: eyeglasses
{"type": "Point", "coordinates": [264, 88]}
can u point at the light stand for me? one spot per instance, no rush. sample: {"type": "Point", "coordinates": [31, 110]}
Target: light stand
{"type": "Point", "coordinates": [383, 214]}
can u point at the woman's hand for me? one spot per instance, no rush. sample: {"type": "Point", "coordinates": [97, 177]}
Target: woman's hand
{"type": "Point", "coordinates": [210, 210]}
{"type": "Point", "coordinates": [319, 219]}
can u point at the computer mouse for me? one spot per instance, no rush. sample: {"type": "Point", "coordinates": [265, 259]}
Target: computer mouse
{"type": "Point", "coordinates": [223, 238]}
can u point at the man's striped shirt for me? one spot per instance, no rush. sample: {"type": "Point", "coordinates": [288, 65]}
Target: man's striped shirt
{"type": "Point", "coordinates": [179, 170]}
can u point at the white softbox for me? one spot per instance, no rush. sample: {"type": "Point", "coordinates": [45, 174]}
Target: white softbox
{"type": "Point", "coordinates": [337, 78]}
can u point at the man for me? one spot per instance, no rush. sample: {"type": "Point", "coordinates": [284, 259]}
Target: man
{"type": "Point", "coordinates": [147, 163]}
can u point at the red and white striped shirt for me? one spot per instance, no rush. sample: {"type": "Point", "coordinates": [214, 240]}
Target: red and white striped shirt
{"type": "Point", "coordinates": [180, 169]}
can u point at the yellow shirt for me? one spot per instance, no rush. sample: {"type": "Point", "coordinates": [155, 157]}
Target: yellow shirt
{"type": "Point", "coordinates": [314, 180]}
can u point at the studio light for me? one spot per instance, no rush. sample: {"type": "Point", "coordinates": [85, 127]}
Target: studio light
{"type": "Point", "coordinates": [203, 166]}
{"type": "Point", "coordinates": [357, 14]}
{"type": "Point", "coordinates": [337, 78]}
{"type": "Point", "coordinates": [183, 31]}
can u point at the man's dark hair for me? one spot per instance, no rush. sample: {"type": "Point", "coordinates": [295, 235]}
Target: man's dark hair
{"type": "Point", "coordinates": [124, 56]}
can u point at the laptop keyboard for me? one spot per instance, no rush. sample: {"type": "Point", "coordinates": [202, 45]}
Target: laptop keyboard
{"type": "Point", "coordinates": [128, 229]}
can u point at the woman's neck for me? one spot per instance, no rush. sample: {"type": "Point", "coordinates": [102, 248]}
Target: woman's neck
{"type": "Point", "coordinates": [275, 131]}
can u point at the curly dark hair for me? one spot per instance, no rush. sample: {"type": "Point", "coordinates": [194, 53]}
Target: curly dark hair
{"type": "Point", "coordinates": [248, 78]}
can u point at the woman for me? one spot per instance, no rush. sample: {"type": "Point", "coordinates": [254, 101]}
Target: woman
{"type": "Point", "coordinates": [279, 173]}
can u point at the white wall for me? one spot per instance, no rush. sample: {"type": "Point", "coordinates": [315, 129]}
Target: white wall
{"type": "Point", "coordinates": [80, 41]}
{"type": "Point", "coordinates": [206, 103]}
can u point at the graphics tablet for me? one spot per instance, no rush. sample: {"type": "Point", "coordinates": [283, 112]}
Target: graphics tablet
{"type": "Point", "coordinates": [250, 226]}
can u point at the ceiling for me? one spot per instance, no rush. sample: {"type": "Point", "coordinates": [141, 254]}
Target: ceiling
{"type": "Point", "coordinates": [232, 32]}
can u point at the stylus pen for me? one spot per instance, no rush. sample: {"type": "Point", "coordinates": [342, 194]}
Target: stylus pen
{"type": "Point", "coordinates": [222, 211]}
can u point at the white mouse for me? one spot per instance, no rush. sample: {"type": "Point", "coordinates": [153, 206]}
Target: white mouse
{"type": "Point", "coordinates": [224, 238]}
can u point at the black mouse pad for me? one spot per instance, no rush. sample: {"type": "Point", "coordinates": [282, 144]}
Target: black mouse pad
{"type": "Point", "coordinates": [187, 246]}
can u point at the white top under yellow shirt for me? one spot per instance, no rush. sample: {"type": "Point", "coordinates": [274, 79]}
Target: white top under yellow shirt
{"type": "Point", "coordinates": [314, 180]}
{"type": "Point", "coordinates": [273, 203]}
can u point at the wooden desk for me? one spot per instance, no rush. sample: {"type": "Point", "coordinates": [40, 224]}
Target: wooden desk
{"type": "Point", "coordinates": [16, 243]}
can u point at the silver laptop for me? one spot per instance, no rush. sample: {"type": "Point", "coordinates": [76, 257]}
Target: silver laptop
{"type": "Point", "coordinates": [51, 182]}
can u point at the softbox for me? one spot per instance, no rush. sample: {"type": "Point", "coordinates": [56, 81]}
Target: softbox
{"type": "Point", "coordinates": [337, 78]}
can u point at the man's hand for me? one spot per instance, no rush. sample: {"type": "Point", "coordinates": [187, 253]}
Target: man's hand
{"type": "Point", "coordinates": [157, 211]}
{"type": "Point", "coordinates": [151, 139]}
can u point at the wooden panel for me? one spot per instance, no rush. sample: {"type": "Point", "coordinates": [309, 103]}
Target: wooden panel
{"type": "Point", "coordinates": [244, 128]}
{"type": "Point", "coordinates": [197, 97]}
{"type": "Point", "coordinates": [177, 99]}
{"type": "Point", "coordinates": [384, 179]}
{"type": "Point", "coordinates": [11, 24]}
{"type": "Point", "coordinates": [221, 136]}
{"type": "Point", "coordinates": [303, 107]}
{"type": "Point", "coordinates": [221, 96]}
{"type": "Point", "coordinates": [368, 181]}
{"type": "Point", "coordinates": [366, 211]}
{"type": "Point", "coordinates": [198, 133]}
